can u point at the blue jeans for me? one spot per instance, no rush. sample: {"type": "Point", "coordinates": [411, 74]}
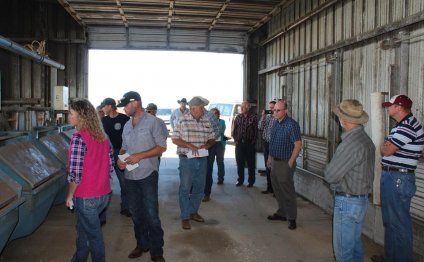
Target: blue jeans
{"type": "Point", "coordinates": [397, 190]}
{"type": "Point", "coordinates": [89, 231]}
{"type": "Point", "coordinates": [348, 218]}
{"type": "Point", "coordinates": [120, 174]}
{"type": "Point", "coordinates": [216, 151]}
{"type": "Point", "coordinates": [144, 207]}
{"type": "Point", "coordinates": [192, 176]}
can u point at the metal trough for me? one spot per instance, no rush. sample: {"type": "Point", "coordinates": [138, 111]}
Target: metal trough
{"type": "Point", "coordinates": [41, 176]}
{"type": "Point", "coordinates": [10, 200]}
{"type": "Point", "coordinates": [58, 145]}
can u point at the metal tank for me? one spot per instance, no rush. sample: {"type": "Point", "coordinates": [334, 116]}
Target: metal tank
{"type": "Point", "coordinates": [24, 160]}
{"type": "Point", "coordinates": [10, 200]}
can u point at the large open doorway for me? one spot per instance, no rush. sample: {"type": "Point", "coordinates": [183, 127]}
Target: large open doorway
{"type": "Point", "coordinates": [163, 77]}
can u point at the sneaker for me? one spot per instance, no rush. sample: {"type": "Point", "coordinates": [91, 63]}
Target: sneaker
{"type": "Point", "coordinates": [220, 182]}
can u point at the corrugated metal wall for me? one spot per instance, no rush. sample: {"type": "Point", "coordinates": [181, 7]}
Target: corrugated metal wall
{"type": "Point", "coordinates": [174, 39]}
{"type": "Point", "coordinates": [26, 80]}
{"type": "Point", "coordinates": [320, 52]}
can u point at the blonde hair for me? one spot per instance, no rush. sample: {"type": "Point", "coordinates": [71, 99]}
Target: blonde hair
{"type": "Point", "coordinates": [88, 118]}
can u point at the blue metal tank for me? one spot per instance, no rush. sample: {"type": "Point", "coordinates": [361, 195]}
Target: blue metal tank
{"type": "Point", "coordinates": [41, 176]}
{"type": "Point", "coordinates": [58, 145]}
{"type": "Point", "coordinates": [10, 200]}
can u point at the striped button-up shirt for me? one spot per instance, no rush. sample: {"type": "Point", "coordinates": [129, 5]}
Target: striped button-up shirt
{"type": "Point", "coordinates": [245, 128]}
{"type": "Point", "coordinates": [76, 159]}
{"type": "Point", "coordinates": [196, 132]}
{"type": "Point", "coordinates": [352, 168]}
{"type": "Point", "coordinates": [408, 136]}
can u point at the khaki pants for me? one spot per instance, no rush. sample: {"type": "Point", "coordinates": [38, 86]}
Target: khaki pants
{"type": "Point", "coordinates": [283, 185]}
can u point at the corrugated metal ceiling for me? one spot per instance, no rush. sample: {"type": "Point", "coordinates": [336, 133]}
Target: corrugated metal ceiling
{"type": "Point", "coordinates": [173, 24]}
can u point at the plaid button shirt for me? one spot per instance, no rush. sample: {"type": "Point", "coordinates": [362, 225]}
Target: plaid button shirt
{"type": "Point", "coordinates": [196, 132]}
{"type": "Point", "coordinates": [76, 161]}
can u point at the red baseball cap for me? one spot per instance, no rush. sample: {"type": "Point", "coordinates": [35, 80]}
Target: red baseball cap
{"type": "Point", "coordinates": [401, 100]}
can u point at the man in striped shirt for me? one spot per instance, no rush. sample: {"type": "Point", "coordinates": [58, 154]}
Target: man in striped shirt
{"type": "Point", "coordinates": [403, 146]}
{"type": "Point", "coordinates": [193, 135]}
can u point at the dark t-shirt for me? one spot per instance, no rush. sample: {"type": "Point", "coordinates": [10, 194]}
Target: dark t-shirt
{"type": "Point", "coordinates": [114, 127]}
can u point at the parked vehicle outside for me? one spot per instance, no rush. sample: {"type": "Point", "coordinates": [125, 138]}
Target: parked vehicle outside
{"type": "Point", "coordinates": [228, 111]}
{"type": "Point", "coordinates": [165, 115]}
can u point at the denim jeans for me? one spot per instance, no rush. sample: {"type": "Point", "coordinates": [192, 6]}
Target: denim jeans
{"type": "Point", "coordinates": [89, 231]}
{"type": "Point", "coordinates": [144, 207]}
{"type": "Point", "coordinates": [120, 174]}
{"type": "Point", "coordinates": [216, 151]}
{"type": "Point", "coordinates": [397, 190]}
{"type": "Point", "coordinates": [192, 176]}
{"type": "Point", "coordinates": [348, 218]}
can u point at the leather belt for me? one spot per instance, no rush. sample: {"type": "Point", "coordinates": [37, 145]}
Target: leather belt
{"type": "Point", "coordinates": [278, 159]}
{"type": "Point", "coordinates": [349, 195]}
{"type": "Point", "coordinates": [185, 156]}
{"type": "Point", "coordinates": [402, 170]}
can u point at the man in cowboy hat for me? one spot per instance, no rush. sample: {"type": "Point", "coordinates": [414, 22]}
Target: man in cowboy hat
{"type": "Point", "coordinates": [403, 146]}
{"type": "Point", "coordinates": [350, 174]}
{"type": "Point", "coordinates": [177, 113]}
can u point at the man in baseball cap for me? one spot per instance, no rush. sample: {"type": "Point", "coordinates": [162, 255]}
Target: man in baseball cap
{"type": "Point", "coordinates": [401, 150]}
{"type": "Point", "coordinates": [400, 100]}
{"type": "Point", "coordinates": [128, 98]}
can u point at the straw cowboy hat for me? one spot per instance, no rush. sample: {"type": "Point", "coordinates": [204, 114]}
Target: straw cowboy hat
{"type": "Point", "coordinates": [351, 111]}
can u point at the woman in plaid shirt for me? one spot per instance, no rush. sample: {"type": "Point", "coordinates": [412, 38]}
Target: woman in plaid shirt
{"type": "Point", "coordinates": [90, 165]}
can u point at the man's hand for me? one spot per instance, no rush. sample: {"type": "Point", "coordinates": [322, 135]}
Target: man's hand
{"type": "Point", "coordinates": [132, 159]}
{"type": "Point", "coordinates": [269, 162]}
{"type": "Point", "coordinates": [290, 163]}
{"type": "Point", "coordinates": [388, 149]}
{"type": "Point", "coordinates": [121, 164]}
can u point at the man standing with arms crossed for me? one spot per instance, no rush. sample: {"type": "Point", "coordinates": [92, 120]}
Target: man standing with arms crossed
{"type": "Point", "coordinates": [350, 174]}
{"type": "Point", "coordinates": [177, 113]}
{"type": "Point", "coordinates": [193, 135]}
{"type": "Point", "coordinates": [113, 124]}
{"type": "Point", "coordinates": [403, 146]}
{"type": "Point", "coordinates": [244, 134]}
{"type": "Point", "coordinates": [284, 147]}
{"type": "Point", "coordinates": [143, 140]}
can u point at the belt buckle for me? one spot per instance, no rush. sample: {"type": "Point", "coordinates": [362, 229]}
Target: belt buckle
{"type": "Point", "coordinates": [403, 170]}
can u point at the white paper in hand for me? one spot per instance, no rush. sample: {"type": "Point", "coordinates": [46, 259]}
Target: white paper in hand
{"type": "Point", "coordinates": [202, 152]}
{"type": "Point", "coordinates": [129, 167]}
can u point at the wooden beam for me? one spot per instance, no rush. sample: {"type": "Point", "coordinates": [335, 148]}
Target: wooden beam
{"type": "Point", "coordinates": [121, 12]}
{"type": "Point", "coordinates": [72, 12]}
{"type": "Point", "coordinates": [271, 14]}
{"type": "Point", "coordinates": [218, 15]}
{"type": "Point", "coordinates": [170, 13]}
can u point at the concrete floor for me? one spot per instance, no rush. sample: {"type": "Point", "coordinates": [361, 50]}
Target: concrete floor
{"type": "Point", "coordinates": [236, 228]}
